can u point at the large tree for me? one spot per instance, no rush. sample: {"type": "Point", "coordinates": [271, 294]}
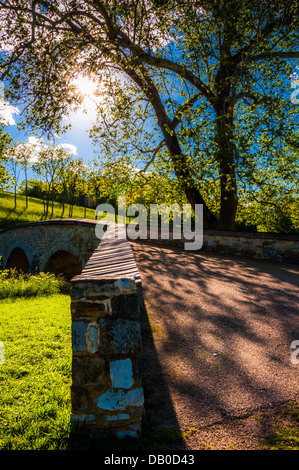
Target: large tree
{"type": "Point", "coordinates": [195, 65]}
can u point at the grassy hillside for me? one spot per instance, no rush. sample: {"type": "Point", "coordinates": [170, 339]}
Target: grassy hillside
{"type": "Point", "coordinates": [35, 212]}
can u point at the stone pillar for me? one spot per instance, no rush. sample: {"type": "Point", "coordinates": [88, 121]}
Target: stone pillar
{"type": "Point", "coordinates": [107, 396]}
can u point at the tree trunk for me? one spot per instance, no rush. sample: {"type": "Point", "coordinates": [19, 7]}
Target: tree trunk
{"type": "Point", "coordinates": [15, 196]}
{"type": "Point", "coordinates": [228, 198]}
{"type": "Point", "coordinates": [182, 173]}
{"type": "Point", "coordinates": [227, 170]}
{"type": "Point", "coordinates": [52, 203]}
{"type": "Point", "coordinates": [47, 204]}
{"type": "Point", "coordinates": [64, 199]}
{"type": "Point", "coordinates": [145, 83]}
{"type": "Point", "coordinates": [26, 187]}
{"type": "Point", "coordinates": [44, 204]}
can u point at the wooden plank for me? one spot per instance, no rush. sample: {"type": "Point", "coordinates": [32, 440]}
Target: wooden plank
{"type": "Point", "coordinates": [112, 259]}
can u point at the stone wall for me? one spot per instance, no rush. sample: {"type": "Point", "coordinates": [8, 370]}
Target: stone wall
{"type": "Point", "coordinates": [266, 246]}
{"type": "Point", "coordinates": [107, 395]}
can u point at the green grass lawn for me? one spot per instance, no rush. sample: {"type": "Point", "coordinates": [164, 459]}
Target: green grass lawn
{"type": "Point", "coordinates": [35, 372]}
{"type": "Point", "coordinates": [35, 378]}
{"type": "Point", "coordinates": [10, 216]}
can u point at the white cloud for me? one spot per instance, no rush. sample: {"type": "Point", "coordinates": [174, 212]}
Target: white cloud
{"type": "Point", "coordinates": [34, 141]}
{"type": "Point", "coordinates": [38, 145]}
{"type": "Point", "coordinates": [6, 113]}
{"type": "Point", "coordinates": [6, 110]}
{"type": "Point", "coordinates": [69, 148]}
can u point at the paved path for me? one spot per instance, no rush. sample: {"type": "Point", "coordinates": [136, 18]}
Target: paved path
{"type": "Point", "coordinates": [217, 334]}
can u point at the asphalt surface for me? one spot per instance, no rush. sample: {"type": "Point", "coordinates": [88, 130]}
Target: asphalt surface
{"type": "Point", "coordinates": [217, 334]}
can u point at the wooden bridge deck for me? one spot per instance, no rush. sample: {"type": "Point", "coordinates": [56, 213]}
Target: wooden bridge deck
{"type": "Point", "coordinates": [112, 259]}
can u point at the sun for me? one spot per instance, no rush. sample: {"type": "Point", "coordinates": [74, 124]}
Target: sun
{"type": "Point", "coordinates": [85, 86]}
{"type": "Point", "coordinates": [87, 89]}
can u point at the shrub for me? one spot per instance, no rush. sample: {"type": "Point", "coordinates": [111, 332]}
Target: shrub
{"type": "Point", "coordinates": [17, 284]}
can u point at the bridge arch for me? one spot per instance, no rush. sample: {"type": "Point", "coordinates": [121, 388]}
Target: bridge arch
{"type": "Point", "coordinates": [18, 258]}
{"type": "Point", "coordinates": [63, 262]}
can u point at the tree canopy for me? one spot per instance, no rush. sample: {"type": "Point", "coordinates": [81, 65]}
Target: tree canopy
{"type": "Point", "coordinates": [198, 86]}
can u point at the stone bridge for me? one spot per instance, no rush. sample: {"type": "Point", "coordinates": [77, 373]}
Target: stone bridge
{"type": "Point", "coordinates": [107, 395]}
{"type": "Point", "coordinates": [61, 246]}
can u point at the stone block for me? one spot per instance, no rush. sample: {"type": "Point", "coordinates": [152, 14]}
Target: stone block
{"type": "Point", "coordinates": [85, 336]}
{"type": "Point", "coordinates": [82, 418]}
{"type": "Point", "coordinates": [121, 373]}
{"type": "Point", "coordinates": [117, 417]}
{"type": "Point", "coordinates": [120, 400]}
{"type": "Point", "coordinates": [78, 336]}
{"type": "Point", "coordinates": [89, 370]}
{"type": "Point", "coordinates": [125, 286]}
{"type": "Point", "coordinates": [107, 337]}
{"type": "Point", "coordinates": [119, 337]}
{"type": "Point", "coordinates": [80, 399]}
{"type": "Point", "coordinates": [87, 311]}
{"type": "Point", "coordinates": [126, 306]}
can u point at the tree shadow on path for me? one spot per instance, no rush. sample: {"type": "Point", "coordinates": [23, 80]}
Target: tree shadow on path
{"type": "Point", "coordinates": [217, 334]}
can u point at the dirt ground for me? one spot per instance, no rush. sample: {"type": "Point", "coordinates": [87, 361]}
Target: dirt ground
{"type": "Point", "coordinates": [217, 334]}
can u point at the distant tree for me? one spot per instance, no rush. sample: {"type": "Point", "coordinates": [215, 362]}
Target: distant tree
{"type": "Point", "coordinates": [271, 202]}
{"type": "Point", "coordinates": [64, 178]}
{"type": "Point", "coordinates": [15, 170]}
{"type": "Point", "coordinates": [76, 181]}
{"type": "Point", "coordinates": [5, 142]}
{"type": "Point", "coordinates": [48, 167]}
{"type": "Point", "coordinates": [24, 155]}
{"type": "Point", "coordinates": [35, 188]}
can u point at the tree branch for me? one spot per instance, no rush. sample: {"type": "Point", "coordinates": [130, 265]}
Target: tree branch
{"type": "Point", "coordinates": [142, 57]}
{"type": "Point", "coordinates": [264, 33]}
{"type": "Point", "coordinates": [183, 108]}
{"type": "Point", "coordinates": [160, 146]}
{"type": "Point", "coordinates": [244, 95]}
{"type": "Point", "coordinates": [275, 54]}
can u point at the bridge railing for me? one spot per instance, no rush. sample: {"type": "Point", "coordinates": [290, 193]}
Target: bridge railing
{"type": "Point", "coordinates": [107, 394]}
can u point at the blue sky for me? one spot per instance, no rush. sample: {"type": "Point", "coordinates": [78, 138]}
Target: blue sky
{"type": "Point", "coordinates": [76, 139]}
